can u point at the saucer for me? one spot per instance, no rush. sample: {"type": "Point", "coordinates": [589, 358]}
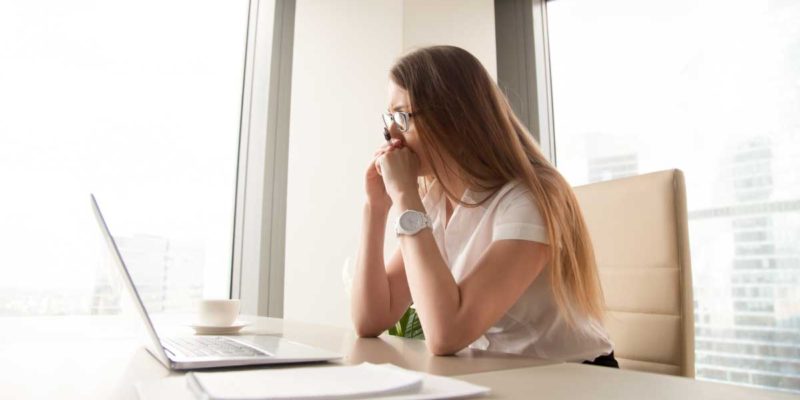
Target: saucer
{"type": "Point", "coordinates": [219, 330]}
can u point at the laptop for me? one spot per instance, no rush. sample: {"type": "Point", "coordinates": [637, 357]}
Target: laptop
{"type": "Point", "coordinates": [196, 352]}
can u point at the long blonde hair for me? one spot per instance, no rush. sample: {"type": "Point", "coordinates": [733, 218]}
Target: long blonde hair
{"type": "Point", "coordinates": [461, 115]}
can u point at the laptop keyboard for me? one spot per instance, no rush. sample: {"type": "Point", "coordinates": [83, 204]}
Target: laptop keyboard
{"type": "Point", "coordinates": [210, 346]}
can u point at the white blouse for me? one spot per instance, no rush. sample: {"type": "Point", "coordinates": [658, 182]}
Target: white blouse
{"type": "Point", "coordinates": [533, 326]}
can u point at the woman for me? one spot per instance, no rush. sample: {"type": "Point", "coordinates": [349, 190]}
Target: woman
{"type": "Point", "coordinates": [493, 248]}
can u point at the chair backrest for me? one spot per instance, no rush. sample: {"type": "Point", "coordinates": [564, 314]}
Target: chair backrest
{"type": "Point", "coordinates": [639, 231]}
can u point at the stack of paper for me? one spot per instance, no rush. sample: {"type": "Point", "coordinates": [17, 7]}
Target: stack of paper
{"type": "Point", "coordinates": [365, 380]}
{"type": "Point", "coordinates": [372, 381]}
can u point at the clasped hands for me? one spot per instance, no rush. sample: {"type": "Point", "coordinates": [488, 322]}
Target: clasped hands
{"type": "Point", "coordinates": [392, 174]}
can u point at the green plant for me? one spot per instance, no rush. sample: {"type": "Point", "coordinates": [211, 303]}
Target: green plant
{"type": "Point", "coordinates": [409, 326]}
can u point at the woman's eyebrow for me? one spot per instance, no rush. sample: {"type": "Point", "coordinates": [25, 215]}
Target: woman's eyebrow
{"type": "Point", "coordinates": [397, 107]}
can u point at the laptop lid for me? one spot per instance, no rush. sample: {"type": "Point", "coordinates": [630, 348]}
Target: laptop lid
{"type": "Point", "coordinates": [280, 351]}
{"type": "Point", "coordinates": [158, 350]}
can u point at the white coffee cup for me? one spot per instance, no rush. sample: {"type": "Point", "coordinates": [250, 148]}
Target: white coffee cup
{"type": "Point", "coordinates": [218, 312]}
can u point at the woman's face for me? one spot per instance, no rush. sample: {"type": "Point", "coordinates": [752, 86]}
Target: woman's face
{"type": "Point", "coordinates": [399, 101]}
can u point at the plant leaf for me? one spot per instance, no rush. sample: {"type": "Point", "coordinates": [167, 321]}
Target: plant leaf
{"type": "Point", "coordinates": [409, 326]}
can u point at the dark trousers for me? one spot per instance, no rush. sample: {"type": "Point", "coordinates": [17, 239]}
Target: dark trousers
{"type": "Point", "coordinates": [605, 361]}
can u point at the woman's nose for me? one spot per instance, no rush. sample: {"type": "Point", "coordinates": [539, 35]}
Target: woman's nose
{"type": "Point", "coordinates": [394, 133]}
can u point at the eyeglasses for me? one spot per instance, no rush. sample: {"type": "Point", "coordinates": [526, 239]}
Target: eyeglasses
{"type": "Point", "coordinates": [401, 118]}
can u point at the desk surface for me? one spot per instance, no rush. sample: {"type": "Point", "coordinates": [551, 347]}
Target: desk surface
{"type": "Point", "coordinates": [101, 357]}
{"type": "Point", "coordinates": [585, 382]}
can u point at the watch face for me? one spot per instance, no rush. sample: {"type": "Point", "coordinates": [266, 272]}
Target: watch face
{"type": "Point", "coordinates": [411, 222]}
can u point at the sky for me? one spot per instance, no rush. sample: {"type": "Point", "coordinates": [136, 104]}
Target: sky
{"type": "Point", "coordinates": [680, 83]}
{"type": "Point", "coordinates": [140, 108]}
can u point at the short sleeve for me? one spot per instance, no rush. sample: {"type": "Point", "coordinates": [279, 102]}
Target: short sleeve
{"type": "Point", "coordinates": [518, 218]}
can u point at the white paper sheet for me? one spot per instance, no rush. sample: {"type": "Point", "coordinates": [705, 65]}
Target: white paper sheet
{"type": "Point", "coordinates": [306, 383]}
{"type": "Point", "coordinates": [431, 387]}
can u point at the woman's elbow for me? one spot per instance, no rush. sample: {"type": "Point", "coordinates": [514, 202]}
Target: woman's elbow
{"type": "Point", "coordinates": [366, 329]}
{"type": "Point", "coordinates": [366, 332]}
{"type": "Point", "coordinates": [442, 346]}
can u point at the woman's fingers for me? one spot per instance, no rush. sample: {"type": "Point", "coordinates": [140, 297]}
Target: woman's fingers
{"type": "Point", "coordinates": [377, 163]}
{"type": "Point", "coordinates": [387, 147]}
{"type": "Point", "coordinates": [384, 147]}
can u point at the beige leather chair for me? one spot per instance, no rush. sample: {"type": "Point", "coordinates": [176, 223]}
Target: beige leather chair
{"type": "Point", "coordinates": [639, 231]}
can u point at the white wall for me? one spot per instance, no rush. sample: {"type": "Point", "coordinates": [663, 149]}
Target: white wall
{"type": "Point", "coordinates": [343, 50]}
{"type": "Point", "coordinates": [468, 24]}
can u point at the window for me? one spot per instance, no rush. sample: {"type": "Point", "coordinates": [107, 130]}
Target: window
{"type": "Point", "coordinates": [711, 87]}
{"type": "Point", "coordinates": [140, 104]}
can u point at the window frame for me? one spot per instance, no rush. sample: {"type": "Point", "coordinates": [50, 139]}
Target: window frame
{"type": "Point", "coordinates": [257, 272]}
{"type": "Point", "coordinates": [523, 66]}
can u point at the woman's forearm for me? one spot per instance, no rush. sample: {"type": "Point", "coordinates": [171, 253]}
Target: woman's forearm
{"type": "Point", "coordinates": [436, 294]}
{"type": "Point", "coordinates": [370, 299]}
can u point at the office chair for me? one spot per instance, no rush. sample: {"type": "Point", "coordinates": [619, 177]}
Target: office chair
{"type": "Point", "coordinates": [639, 231]}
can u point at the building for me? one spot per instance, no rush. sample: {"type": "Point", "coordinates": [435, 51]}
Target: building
{"type": "Point", "coordinates": [168, 277]}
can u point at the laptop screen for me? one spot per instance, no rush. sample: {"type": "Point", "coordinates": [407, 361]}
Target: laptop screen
{"type": "Point", "coordinates": [130, 288]}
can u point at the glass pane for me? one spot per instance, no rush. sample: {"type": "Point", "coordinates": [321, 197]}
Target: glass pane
{"type": "Point", "coordinates": [138, 103]}
{"type": "Point", "coordinates": [711, 87]}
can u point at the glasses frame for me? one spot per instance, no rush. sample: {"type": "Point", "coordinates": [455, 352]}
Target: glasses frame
{"type": "Point", "coordinates": [393, 117]}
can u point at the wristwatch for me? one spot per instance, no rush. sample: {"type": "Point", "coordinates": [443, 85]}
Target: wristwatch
{"type": "Point", "coordinates": [410, 222]}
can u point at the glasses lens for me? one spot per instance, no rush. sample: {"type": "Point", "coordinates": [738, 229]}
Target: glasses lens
{"type": "Point", "coordinates": [402, 121]}
{"type": "Point", "coordinates": [387, 120]}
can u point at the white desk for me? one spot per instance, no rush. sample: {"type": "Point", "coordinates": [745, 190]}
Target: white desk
{"type": "Point", "coordinates": [578, 382]}
{"type": "Point", "coordinates": [101, 358]}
